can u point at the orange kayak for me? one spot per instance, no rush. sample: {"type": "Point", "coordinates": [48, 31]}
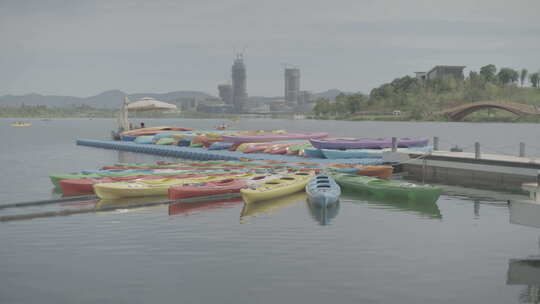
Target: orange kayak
{"type": "Point", "coordinates": [376, 171]}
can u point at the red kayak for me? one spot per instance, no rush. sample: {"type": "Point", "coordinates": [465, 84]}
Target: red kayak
{"type": "Point", "coordinates": [254, 148]}
{"type": "Point", "coordinates": [205, 189]}
{"type": "Point", "coordinates": [72, 187]}
{"type": "Point", "coordinates": [278, 149]}
{"type": "Point", "coordinates": [212, 188]}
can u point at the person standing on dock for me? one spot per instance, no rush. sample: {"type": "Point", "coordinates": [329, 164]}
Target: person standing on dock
{"type": "Point", "coordinates": [142, 125]}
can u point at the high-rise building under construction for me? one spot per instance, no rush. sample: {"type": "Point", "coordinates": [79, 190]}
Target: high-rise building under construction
{"type": "Point", "coordinates": [292, 86]}
{"type": "Point", "coordinates": [239, 92]}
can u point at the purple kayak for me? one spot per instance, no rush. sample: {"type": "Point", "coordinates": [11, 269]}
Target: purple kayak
{"type": "Point", "coordinates": [366, 143]}
{"type": "Point", "coordinates": [351, 143]}
{"type": "Point", "coordinates": [413, 142]}
{"type": "Point", "coordinates": [238, 139]}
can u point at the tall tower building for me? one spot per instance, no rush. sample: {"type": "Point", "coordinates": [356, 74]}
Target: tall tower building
{"type": "Point", "coordinates": [226, 93]}
{"type": "Point", "coordinates": [239, 92]}
{"type": "Point", "coordinates": [292, 86]}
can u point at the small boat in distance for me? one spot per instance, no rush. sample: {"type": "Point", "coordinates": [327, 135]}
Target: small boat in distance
{"type": "Point", "coordinates": [21, 124]}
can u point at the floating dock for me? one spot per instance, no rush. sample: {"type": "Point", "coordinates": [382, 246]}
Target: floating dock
{"type": "Point", "coordinates": [500, 172]}
{"type": "Point", "coordinates": [204, 154]}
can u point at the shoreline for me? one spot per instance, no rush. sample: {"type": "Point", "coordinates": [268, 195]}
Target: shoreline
{"type": "Point", "coordinates": [279, 116]}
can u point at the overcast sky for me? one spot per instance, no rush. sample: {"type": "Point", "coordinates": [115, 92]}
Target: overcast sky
{"type": "Point", "coordinates": [82, 48]}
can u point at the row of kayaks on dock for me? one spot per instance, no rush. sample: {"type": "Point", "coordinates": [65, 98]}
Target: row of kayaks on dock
{"type": "Point", "coordinates": [275, 142]}
{"type": "Point", "coordinates": [254, 184]}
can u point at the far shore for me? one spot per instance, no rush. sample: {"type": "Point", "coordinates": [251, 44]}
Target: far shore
{"type": "Point", "coordinates": [478, 117]}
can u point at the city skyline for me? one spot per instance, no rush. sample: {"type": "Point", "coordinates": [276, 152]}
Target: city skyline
{"type": "Point", "coordinates": [349, 45]}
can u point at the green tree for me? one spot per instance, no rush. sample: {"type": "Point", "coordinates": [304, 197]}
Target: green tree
{"type": "Point", "coordinates": [534, 78]}
{"type": "Point", "coordinates": [488, 71]}
{"type": "Point", "coordinates": [507, 75]}
{"type": "Point", "coordinates": [523, 76]}
{"type": "Point", "coordinates": [322, 107]}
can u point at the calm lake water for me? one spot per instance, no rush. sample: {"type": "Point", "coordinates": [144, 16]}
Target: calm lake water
{"type": "Point", "coordinates": [457, 251]}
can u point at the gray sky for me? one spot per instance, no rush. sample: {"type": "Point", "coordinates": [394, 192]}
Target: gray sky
{"type": "Point", "coordinates": [82, 48]}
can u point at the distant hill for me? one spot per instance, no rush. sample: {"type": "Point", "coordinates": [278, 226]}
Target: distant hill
{"type": "Point", "coordinates": [107, 99]}
{"type": "Point", "coordinates": [113, 98]}
{"type": "Point", "coordinates": [330, 94]}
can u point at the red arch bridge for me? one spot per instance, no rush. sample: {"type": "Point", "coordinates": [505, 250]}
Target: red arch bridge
{"type": "Point", "coordinates": [459, 112]}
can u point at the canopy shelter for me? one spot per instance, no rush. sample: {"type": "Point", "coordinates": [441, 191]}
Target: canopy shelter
{"type": "Point", "coordinates": [144, 104]}
{"type": "Point", "coordinates": [149, 104]}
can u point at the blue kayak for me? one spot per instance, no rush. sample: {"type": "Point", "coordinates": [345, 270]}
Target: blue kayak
{"type": "Point", "coordinates": [353, 153]}
{"type": "Point", "coordinates": [313, 153]}
{"type": "Point", "coordinates": [220, 145]}
{"type": "Point", "coordinates": [323, 191]}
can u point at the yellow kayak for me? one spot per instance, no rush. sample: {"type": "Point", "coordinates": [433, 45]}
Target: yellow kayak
{"type": "Point", "coordinates": [20, 124]}
{"type": "Point", "coordinates": [288, 184]}
{"type": "Point", "coordinates": [153, 187]}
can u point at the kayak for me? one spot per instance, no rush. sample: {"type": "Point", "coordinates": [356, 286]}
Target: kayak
{"type": "Point", "coordinates": [56, 178]}
{"type": "Point", "coordinates": [352, 153]}
{"type": "Point", "coordinates": [220, 146]}
{"type": "Point", "coordinates": [367, 143]}
{"type": "Point", "coordinates": [224, 186]}
{"type": "Point", "coordinates": [313, 153]}
{"type": "Point", "coordinates": [385, 189]}
{"type": "Point", "coordinates": [285, 185]}
{"type": "Point", "coordinates": [153, 187]}
{"type": "Point", "coordinates": [152, 131]}
{"type": "Point", "coordinates": [351, 143]}
{"type": "Point", "coordinates": [323, 191]}
{"type": "Point", "coordinates": [292, 150]}
{"type": "Point", "coordinates": [376, 171]}
{"type": "Point", "coordinates": [256, 147]}
{"type": "Point", "coordinates": [19, 124]}
{"type": "Point", "coordinates": [71, 187]}
{"type": "Point", "coordinates": [278, 148]}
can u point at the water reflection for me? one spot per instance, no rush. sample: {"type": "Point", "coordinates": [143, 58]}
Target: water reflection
{"type": "Point", "coordinates": [524, 213]}
{"type": "Point", "coordinates": [129, 202]}
{"type": "Point", "coordinates": [426, 209]}
{"type": "Point", "coordinates": [323, 215]}
{"type": "Point", "coordinates": [525, 272]}
{"type": "Point", "coordinates": [188, 208]}
{"type": "Point", "coordinates": [270, 206]}
{"type": "Point", "coordinates": [476, 209]}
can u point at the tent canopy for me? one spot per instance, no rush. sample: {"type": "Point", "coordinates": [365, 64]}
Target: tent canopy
{"type": "Point", "coordinates": [149, 104]}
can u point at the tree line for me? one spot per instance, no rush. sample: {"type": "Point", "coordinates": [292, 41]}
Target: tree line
{"type": "Point", "coordinates": [423, 98]}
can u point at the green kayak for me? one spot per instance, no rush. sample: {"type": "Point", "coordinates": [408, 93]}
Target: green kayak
{"type": "Point", "coordinates": [388, 189]}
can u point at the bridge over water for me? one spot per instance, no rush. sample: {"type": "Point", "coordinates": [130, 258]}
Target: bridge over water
{"type": "Point", "coordinates": [459, 112]}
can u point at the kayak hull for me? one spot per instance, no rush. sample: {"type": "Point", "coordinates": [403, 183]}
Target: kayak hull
{"type": "Point", "coordinates": [386, 189]}
{"type": "Point", "coordinates": [323, 191]}
{"type": "Point", "coordinates": [274, 188]}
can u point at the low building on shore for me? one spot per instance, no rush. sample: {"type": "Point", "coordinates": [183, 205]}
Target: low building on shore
{"type": "Point", "coordinates": [441, 71]}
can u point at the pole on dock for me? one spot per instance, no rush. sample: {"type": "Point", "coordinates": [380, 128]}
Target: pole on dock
{"type": "Point", "coordinates": [394, 144]}
{"type": "Point", "coordinates": [436, 143]}
{"type": "Point", "coordinates": [424, 166]}
{"type": "Point", "coordinates": [536, 198]}
{"type": "Point", "coordinates": [521, 149]}
{"type": "Point", "coordinates": [477, 150]}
